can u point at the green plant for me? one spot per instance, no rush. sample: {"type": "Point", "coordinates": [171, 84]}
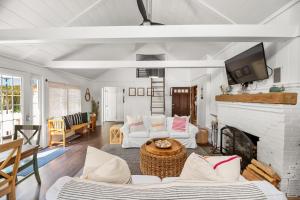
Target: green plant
{"type": "Point", "coordinates": [95, 107]}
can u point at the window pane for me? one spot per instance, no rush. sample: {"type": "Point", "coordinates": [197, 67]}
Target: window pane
{"type": "Point", "coordinates": [17, 99]}
{"type": "Point", "coordinates": [74, 98]}
{"type": "Point", "coordinates": [57, 102]}
{"type": "Point", "coordinates": [17, 86]}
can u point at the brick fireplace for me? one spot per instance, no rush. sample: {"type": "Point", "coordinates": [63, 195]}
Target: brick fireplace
{"type": "Point", "coordinates": [278, 130]}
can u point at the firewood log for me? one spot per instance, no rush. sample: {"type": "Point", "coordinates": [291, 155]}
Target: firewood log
{"type": "Point", "coordinates": [261, 173]}
{"type": "Point", "coordinates": [267, 169]}
{"type": "Point", "coordinates": [250, 175]}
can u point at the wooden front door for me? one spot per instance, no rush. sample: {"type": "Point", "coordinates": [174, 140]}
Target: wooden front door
{"type": "Point", "coordinates": [181, 101]}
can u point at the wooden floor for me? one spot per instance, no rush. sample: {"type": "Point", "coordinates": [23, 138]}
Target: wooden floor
{"type": "Point", "coordinates": [69, 164]}
{"type": "Point", "coordinates": [66, 165]}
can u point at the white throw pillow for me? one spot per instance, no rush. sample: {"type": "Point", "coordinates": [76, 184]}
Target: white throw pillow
{"type": "Point", "coordinates": [197, 168]}
{"type": "Point", "coordinates": [136, 123]}
{"type": "Point", "coordinates": [226, 167]}
{"type": "Point", "coordinates": [158, 123]}
{"type": "Point", "coordinates": [104, 167]}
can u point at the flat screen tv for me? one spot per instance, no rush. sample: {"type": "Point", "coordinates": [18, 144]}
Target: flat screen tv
{"type": "Point", "coordinates": [247, 66]}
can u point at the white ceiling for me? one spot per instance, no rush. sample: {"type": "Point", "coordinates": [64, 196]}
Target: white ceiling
{"type": "Point", "coordinates": [62, 13]}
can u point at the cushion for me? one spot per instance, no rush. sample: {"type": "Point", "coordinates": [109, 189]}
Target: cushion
{"type": "Point", "coordinates": [197, 168]}
{"type": "Point", "coordinates": [67, 124]}
{"type": "Point", "coordinates": [180, 124]}
{"type": "Point", "coordinates": [157, 123]}
{"type": "Point", "coordinates": [84, 117]}
{"type": "Point", "coordinates": [70, 120]}
{"type": "Point", "coordinates": [227, 167]}
{"type": "Point", "coordinates": [135, 123]}
{"type": "Point", "coordinates": [104, 167]}
{"type": "Point", "coordinates": [159, 134]}
{"type": "Point", "coordinates": [139, 134]}
{"type": "Point", "coordinates": [175, 134]}
{"type": "Point", "coordinates": [76, 118]}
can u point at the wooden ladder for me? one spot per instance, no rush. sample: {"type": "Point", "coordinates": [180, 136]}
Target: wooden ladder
{"type": "Point", "coordinates": [157, 96]}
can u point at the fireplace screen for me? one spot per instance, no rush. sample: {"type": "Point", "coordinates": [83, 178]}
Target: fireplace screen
{"type": "Point", "coordinates": [236, 142]}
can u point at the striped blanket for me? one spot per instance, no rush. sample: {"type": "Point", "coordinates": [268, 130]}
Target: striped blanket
{"type": "Point", "coordinates": [84, 190]}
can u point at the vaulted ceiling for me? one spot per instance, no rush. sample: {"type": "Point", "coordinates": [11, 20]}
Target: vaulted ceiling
{"type": "Point", "coordinates": [64, 13]}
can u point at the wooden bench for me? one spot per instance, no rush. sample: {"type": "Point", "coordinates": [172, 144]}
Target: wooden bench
{"type": "Point", "coordinates": [57, 132]}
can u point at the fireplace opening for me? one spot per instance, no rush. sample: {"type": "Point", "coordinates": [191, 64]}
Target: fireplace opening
{"type": "Point", "coordinates": [237, 142]}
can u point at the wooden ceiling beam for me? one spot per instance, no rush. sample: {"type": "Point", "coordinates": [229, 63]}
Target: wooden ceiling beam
{"type": "Point", "coordinates": [138, 34]}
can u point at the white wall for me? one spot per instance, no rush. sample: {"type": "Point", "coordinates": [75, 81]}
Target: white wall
{"type": "Point", "coordinates": [27, 71]}
{"type": "Point", "coordinates": [126, 78]}
{"type": "Point", "coordinates": [279, 54]}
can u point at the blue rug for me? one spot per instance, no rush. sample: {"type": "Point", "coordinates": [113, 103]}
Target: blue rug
{"type": "Point", "coordinates": [44, 157]}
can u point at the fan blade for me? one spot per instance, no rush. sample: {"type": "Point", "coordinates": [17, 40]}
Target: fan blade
{"type": "Point", "coordinates": [142, 9]}
{"type": "Point", "coordinates": [155, 23]}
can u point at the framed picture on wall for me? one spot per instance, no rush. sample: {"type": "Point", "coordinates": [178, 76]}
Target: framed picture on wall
{"type": "Point", "coordinates": [148, 91]}
{"type": "Point", "coordinates": [141, 91]}
{"type": "Point", "coordinates": [132, 92]}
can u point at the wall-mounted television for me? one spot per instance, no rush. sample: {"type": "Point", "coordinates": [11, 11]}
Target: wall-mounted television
{"type": "Point", "coordinates": [247, 66]}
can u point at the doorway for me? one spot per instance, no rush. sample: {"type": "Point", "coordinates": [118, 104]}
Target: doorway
{"type": "Point", "coordinates": [181, 98]}
{"type": "Point", "coordinates": [113, 106]}
{"type": "Point", "coordinates": [194, 104]}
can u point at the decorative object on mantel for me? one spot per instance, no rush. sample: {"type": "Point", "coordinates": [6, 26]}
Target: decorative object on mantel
{"type": "Point", "coordinates": [258, 171]}
{"type": "Point", "coordinates": [225, 89]}
{"type": "Point", "coordinates": [132, 92]}
{"type": "Point", "coordinates": [87, 95]}
{"type": "Point", "coordinates": [95, 108]}
{"type": "Point", "coordinates": [266, 98]}
{"type": "Point", "coordinates": [277, 89]}
{"type": "Point", "coordinates": [141, 91]}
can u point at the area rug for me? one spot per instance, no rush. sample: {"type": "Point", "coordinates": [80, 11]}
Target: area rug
{"type": "Point", "coordinates": [132, 157]}
{"type": "Point", "coordinates": [44, 157]}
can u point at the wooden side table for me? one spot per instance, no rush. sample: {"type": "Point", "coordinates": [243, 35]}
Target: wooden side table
{"type": "Point", "coordinates": [115, 134]}
{"type": "Point", "coordinates": [202, 136]}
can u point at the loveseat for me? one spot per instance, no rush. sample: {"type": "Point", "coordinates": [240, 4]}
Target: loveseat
{"type": "Point", "coordinates": [138, 138]}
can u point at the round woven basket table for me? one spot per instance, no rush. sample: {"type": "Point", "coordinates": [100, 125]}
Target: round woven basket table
{"type": "Point", "coordinates": [162, 162]}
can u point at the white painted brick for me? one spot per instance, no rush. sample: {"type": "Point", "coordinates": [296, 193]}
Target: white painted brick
{"type": "Point", "coordinates": [278, 127]}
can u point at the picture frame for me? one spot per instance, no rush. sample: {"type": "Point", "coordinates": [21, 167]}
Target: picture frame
{"type": "Point", "coordinates": [149, 91]}
{"type": "Point", "coordinates": [132, 92]}
{"type": "Point", "coordinates": [140, 91]}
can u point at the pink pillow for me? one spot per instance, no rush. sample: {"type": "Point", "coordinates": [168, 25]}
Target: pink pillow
{"type": "Point", "coordinates": [179, 124]}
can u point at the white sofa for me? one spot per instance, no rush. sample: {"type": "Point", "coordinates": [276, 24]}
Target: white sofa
{"type": "Point", "coordinates": [137, 139]}
{"type": "Point", "coordinates": [146, 183]}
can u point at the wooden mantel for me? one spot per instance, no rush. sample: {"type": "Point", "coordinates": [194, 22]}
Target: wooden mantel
{"type": "Point", "coordinates": [266, 98]}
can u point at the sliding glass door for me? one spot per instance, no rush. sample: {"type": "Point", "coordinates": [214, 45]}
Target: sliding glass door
{"type": "Point", "coordinates": [11, 104]}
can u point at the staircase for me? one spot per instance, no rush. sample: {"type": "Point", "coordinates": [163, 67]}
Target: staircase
{"type": "Point", "coordinates": [157, 96]}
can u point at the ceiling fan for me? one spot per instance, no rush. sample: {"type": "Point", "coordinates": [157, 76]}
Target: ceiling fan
{"type": "Point", "coordinates": [146, 21]}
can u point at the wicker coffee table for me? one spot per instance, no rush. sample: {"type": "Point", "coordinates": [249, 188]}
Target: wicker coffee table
{"type": "Point", "coordinates": [162, 162]}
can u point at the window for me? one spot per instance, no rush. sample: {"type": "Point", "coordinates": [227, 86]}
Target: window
{"type": "Point", "coordinates": [63, 100]}
{"type": "Point", "coordinates": [10, 108]}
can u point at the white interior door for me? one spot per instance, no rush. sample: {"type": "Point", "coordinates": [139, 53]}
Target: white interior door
{"type": "Point", "coordinates": [110, 104]}
{"type": "Point", "coordinates": [113, 104]}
